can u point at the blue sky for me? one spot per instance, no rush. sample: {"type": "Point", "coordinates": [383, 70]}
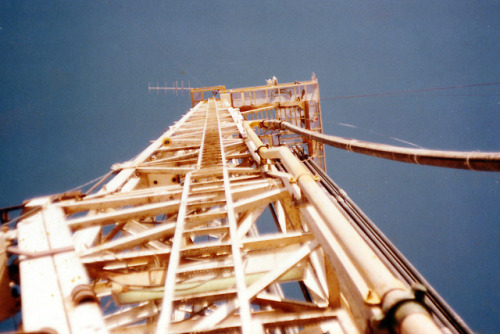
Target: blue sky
{"type": "Point", "coordinates": [74, 100]}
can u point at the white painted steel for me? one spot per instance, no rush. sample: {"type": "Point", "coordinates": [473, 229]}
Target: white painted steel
{"type": "Point", "coordinates": [173, 263]}
{"type": "Point", "coordinates": [171, 242]}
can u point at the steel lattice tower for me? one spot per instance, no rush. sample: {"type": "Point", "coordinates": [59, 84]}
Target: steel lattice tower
{"type": "Point", "coordinates": [171, 243]}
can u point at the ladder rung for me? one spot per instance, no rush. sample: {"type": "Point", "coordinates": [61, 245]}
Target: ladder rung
{"type": "Point", "coordinates": [207, 230]}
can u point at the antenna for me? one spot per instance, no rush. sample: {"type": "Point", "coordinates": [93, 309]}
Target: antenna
{"type": "Point", "coordinates": [175, 88]}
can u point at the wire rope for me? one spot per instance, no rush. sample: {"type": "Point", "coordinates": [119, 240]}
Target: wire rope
{"type": "Point", "coordinates": [410, 91]}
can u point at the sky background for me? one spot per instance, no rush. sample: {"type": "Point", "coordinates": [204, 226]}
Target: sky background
{"type": "Point", "coordinates": [74, 100]}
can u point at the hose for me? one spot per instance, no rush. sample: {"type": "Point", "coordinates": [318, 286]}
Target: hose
{"type": "Point", "coordinates": [479, 161]}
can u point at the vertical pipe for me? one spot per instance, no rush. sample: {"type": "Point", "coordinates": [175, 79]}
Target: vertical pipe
{"type": "Point", "coordinates": [378, 277]}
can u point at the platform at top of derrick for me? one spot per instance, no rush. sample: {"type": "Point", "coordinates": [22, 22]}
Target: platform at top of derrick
{"type": "Point", "coordinates": [296, 102]}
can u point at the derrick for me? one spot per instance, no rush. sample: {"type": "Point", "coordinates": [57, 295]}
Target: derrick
{"type": "Point", "coordinates": [205, 230]}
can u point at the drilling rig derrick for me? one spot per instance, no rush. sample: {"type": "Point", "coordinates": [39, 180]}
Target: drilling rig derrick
{"type": "Point", "coordinates": [220, 225]}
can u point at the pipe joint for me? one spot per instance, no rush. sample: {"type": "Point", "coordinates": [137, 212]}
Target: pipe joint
{"type": "Point", "coordinates": [276, 125]}
{"type": "Point", "coordinates": [314, 177]}
{"type": "Point", "coordinates": [398, 304]}
{"type": "Point", "coordinates": [273, 124]}
{"type": "Point", "coordinates": [263, 161]}
{"type": "Point", "coordinates": [83, 293]}
{"type": "Point", "coordinates": [253, 124]}
{"type": "Point", "coordinates": [261, 146]}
